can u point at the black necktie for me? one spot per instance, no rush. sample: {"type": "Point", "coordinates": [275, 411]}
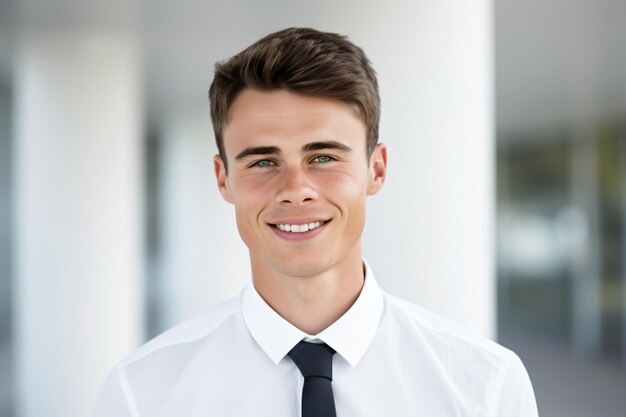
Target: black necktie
{"type": "Point", "coordinates": [315, 361]}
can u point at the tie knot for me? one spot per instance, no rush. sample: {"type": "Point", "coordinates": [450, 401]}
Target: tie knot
{"type": "Point", "coordinates": [313, 359]}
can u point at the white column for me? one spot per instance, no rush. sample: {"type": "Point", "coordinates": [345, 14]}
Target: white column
{"type": "Point", "coordinates": [430, 231]}
{"type": "Point", "coordinates": [202, 259]}
{"type": "Point", "coordinates": [77, 233]}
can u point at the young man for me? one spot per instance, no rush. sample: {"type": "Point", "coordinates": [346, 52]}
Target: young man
{"type": "Point", "coordinates": [296, 123]}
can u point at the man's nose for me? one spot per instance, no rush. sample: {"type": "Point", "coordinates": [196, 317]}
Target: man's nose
{"type": "Point", "coordinates": [296, 188]}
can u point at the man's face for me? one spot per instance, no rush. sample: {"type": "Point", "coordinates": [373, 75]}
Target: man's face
{"type": "Point", "coordinates": [298, 176]}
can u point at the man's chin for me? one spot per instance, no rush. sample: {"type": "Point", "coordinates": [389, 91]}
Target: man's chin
{"type": "Point", "coordinates": [301, 268]}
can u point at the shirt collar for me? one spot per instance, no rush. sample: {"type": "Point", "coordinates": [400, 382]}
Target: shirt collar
{"type": "Point", "coordinates": [350, 335]}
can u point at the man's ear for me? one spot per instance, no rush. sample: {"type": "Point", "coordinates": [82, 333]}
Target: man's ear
{"type": "Point", "coordinates": [377, 169]}
{"type": "Point", "coordinates": [222, 178]}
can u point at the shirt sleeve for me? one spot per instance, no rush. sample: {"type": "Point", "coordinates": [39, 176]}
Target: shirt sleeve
{"type": "Point", "coordinates": [111, 400]}
{"type": "Point", "coordinates": [517, 398]}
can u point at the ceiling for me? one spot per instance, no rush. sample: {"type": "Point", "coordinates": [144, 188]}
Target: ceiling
{"type": "Point", "coordinates": [555, 61]}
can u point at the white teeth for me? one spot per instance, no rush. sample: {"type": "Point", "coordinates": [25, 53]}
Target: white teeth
{"type": "Point", "coordinates": [299, 228]}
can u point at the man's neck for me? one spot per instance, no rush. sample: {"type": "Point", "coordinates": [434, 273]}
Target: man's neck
{"type": "Point", "coordinates": [311, 303]}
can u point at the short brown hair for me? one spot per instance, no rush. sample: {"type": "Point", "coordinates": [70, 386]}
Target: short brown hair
{"type": "Point", "coordinates": [303, 61]}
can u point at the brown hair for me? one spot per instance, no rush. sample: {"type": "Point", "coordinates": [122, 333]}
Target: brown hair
{"type": "Point", "coordinates": [303, 61]}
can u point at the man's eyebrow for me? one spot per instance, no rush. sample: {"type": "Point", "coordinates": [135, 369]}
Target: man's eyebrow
{"type": "Point", "coordinates": [258, 150]}
{"type": "Point", "coordinates": [331, 144]}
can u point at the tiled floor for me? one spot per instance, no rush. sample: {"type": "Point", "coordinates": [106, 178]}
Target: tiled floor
{"type": "Point", "coordinates": [568, 385]}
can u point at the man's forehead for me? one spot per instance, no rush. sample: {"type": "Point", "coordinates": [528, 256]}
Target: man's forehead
{"type": "Point", "coordinates": [283, 104]}
{"type": "Point", "coordinates": [286, 122]}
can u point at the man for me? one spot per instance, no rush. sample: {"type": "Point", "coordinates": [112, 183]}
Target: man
{"type": "Point", "coordinates": [296, 123]}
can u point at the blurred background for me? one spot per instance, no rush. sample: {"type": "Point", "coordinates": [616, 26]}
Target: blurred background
{"type": "Point", "coordinates": [504, 210]}
{"type": "Point", "coordinates": [561, 198]}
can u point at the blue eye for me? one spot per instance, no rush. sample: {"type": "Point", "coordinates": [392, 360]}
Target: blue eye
{"type": "Point", "coordinates": [323, 159]}
{"type": "Point", "coordinates": [263, 163]}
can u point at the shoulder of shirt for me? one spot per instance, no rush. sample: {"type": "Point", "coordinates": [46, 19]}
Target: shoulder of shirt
{"type": "Point", "coordinates": [191, 330]}
{"type": "Point", "coordinates": [460, 354]}
{"type": "Point", "coordinates": [425, 320]}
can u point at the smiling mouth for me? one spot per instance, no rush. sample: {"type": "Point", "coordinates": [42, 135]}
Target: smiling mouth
{"type": "Point", "coordinates": [300, 228]}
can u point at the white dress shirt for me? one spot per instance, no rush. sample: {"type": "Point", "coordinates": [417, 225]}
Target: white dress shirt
{"type": "Point", "coordinates": [393, 359]}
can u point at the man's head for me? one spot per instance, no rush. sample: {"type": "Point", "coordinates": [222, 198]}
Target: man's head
{"type": "Point", "coordinates": [296, 114]}
{"type": "Point", "coordinates": [303, 61]}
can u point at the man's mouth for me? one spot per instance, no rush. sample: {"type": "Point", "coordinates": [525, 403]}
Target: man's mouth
{"type": "Point", "coordinates": [299, 228]}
